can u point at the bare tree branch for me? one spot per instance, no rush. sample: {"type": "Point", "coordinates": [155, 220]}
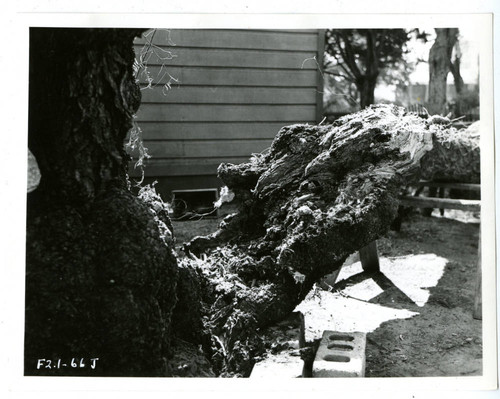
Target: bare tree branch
{"type": "Point", "coordinates": [346, 70]}
{"type": "Point", "coordinates": [349, 58]}
{"type": "Point", "coordinates": [371, 48]}
{"type": "Point", "coordinates": [349, 78]}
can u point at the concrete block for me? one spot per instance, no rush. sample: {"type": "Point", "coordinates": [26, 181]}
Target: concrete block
{"type": "Point", "coordinates": [281, 365]}
{"type": "Point", "coordinates": [340, 354]}
{"type": "Point", "coordinates": [288, 335]}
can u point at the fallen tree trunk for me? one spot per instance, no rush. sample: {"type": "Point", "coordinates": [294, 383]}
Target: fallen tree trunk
{"type": "Point", "coordinates": [317, 196]}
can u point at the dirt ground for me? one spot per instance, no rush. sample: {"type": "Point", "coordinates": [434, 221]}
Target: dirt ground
{"type": "Point", "coordinates": [443, 339]}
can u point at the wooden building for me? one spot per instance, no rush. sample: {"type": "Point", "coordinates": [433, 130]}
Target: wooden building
{"type": "Point", "coordinates": [221, 95]}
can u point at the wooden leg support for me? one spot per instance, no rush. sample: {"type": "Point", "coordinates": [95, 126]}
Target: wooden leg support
{"type": "Point", "coordinates": [478, 302]}
{"type": "Point", "coordinates": [369, 258]}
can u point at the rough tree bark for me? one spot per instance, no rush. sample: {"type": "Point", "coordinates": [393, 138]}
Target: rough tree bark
{"type": "Point", "coordinates": [100, 280]}
{"type": "Point", "coordinates": [320, 194]}
{"type": "Point", "coordinates": [439, 67]}
{"type": "Point", "coordinates": [367, 84]}
{"type": "Point", "coordinates": [366, 87]}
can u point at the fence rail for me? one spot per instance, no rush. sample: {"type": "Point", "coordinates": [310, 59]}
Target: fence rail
{"type": "Point", "coordinates": [466, 114]}
{"type": "Point", "coordinates": [470, 114]}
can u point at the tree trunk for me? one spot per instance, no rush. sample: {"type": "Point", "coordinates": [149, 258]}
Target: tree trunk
{"type": "Point", "coordinates": [439, 66]}
{"type": "Point", "coordinates": [457, 77]}
{"type": "Point", "coordinates": [100, 278]}
{"type": "Point", "coordinates": [367, 82]}
{"type": "Point", "coordinates": [366, 87]}
{"type": "Point", "coordinates": [320, 194]}
{"type": "Point", "coordinates": [458, 80]}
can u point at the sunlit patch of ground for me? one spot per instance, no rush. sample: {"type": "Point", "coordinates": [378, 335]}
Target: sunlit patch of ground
{"type": "Point", "coordinates": [347, 308]}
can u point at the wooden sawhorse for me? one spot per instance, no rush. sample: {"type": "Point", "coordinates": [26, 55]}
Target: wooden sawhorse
{"type": "Point", "coordinates": [368, 255]}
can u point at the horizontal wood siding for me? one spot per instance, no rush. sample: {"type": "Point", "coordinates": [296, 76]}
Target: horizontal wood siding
{"type": "Point", "coordinates": [233, 77]}
{"type": "Point", "coordinates": [226, 113]}
{"type": "Point", "coordinates": [186, 131]}
{"type": "Point", "coordinates": [187, 167]}
{"type": "Point", "coordinates": [234, 58]}
{"type": "Point", "coordinates": [229, 95]}
{"type": "Point", "coordinates": [203, 148]}
{"type": "Point", "coordinates": [298, 40]}
{"type": "Point", "coordinates": [214, 95]}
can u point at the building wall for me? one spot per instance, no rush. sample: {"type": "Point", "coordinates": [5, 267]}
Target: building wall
{"type": "Point", "coordinates": [221, 95]}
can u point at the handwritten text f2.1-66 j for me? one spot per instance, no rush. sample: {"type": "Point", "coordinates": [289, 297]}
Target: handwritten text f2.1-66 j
{"type": "Point", "coordinates": [75, 362]}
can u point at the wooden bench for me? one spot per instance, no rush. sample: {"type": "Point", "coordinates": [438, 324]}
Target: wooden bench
{"type": "Point", "coordinates": [369, 255]}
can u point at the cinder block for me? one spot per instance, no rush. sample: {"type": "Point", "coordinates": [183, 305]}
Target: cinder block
{"type": "Point", "coordinates": [288, 362]}
{"type": "Point", "coordinates": [340, 355]}
{"type": "Point", "coordinates": [281, 365]}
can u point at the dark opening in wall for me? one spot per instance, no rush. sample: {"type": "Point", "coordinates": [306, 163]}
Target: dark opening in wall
{"type": "Point", "coordinates": [191, 204]}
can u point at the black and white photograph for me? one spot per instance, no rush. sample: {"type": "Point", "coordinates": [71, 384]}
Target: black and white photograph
{"type": "Point", "coordinates": [228, 201]}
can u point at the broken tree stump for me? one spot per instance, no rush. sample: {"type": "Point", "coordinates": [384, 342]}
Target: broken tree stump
{"type": "Point", "coordinates": [319, 194]}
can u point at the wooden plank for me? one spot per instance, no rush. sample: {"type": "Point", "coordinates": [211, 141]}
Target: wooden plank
{"type": "Point", "coordinates": [234, 38]}
{"type": "Point", "coordinates": [184, 167]}
{"type": "Point", "coordinates": [205, 149]}
{"type": "Point", "coordinates": [221, 113]}
{"type": "Point", "coordinates": [225, 95]}
{"type": "Point", "coordinates": [442, 203]}
{"type": "Point", "coordinates": [229, 58]}
{"type": "Point", "coordinates": [459, 186]}
{"type": "Point", "coordinates": [478, 300]}
{"type": "Point", "coordinates": [210, 131]}
{"type": "Point", "coordinates": [368, 256]}
{"type": "Point", "coordinates": [211, 76]}
{"type": "Point", "coordinates": [198, 190]}
{"type": "Point", "coordinates": [300, 31]}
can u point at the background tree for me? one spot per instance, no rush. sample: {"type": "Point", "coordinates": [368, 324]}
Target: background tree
{"type": "Point", "coordinates": [440, 65]}
{"type": "Point", "coordinates": [361, 55]}
{"type": "Point", "coordinates": [455, 68]}
{"type": "Point", "coordinates": [467, 99]}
